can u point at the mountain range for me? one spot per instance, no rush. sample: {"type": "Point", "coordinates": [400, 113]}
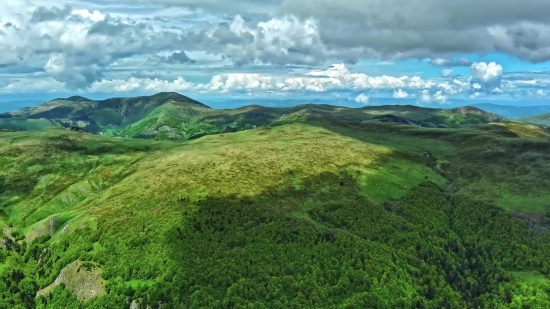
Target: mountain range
{"type": "Point", "coordinates": [177, 117]}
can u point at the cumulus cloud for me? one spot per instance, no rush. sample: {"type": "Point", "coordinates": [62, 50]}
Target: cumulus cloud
{"type": "Point", "coordinates": [486, 72]}
{"type": "Point", "coordinates": [263, 7]}
{"type": "Point", "coordinates": [337, 77]}
{"type": "Point", "coordinates": [179, 57]}
{"type": "Point", "coordinates": [438, 97]}
{"type": "Point", "coordinates": [74, 76]}
{"type": "Point", "coordinates": [446, 72]}
{"type": "Point", "coordinates": [142, 84]}
{"type": "Point", "coordinates": [43, 14]}
{"type": "Point", "coordinates": [400, 94]}
{"type": "Point", "coordinates": [431, 28]}
{"type": "Point", "coordinates": [486, 78]}
{"type": "Point", "coordinates": [362, 98]}
{"type": "Point", "coordinates": [91, 45]}
{"type": "Point", "coordinates": [539, 93]}
{"type": "Point", "coordinates": [477, 94]}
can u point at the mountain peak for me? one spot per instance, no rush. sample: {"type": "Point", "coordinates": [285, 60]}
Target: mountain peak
{"type": "Point", "coordinates": [166, 96]}
{"type": "Point", "coordinates": [74, 98]}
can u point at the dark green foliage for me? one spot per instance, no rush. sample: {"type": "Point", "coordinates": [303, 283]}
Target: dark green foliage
{"type": "Point", "coordinates": [106, 117]}
{"type": "Point", "coordinates": [423, 251]}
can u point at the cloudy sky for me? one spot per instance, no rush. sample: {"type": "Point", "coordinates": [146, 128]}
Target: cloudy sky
{"type": "Point", "coordinates": [427, 51]}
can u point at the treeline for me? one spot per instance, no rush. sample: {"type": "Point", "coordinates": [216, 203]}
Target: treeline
{"type": "Point", "coordinates": [329, 248]}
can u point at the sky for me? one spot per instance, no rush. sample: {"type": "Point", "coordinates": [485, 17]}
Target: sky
{"type": "Point", "coordinates": [426, 52]}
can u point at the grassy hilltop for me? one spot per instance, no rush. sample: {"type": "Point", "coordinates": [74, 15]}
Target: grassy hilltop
{"type": "Point", "coordinates": [315, 207]}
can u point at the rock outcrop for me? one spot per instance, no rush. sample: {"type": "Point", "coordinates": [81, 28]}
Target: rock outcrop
{"type": "Point", "coordinates": [83, 279]}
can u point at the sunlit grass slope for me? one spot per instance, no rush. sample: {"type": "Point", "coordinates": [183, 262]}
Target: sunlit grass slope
{"type": "Point", "coordinates": [60, 174]}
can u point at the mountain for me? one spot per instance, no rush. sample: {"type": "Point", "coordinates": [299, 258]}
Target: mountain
{"type": "Point", "coordinates": [93, 116]}
{"type": "Point", "coordinates": [176, 117]}
{"type": "Point", "coordinates": [541, 120]}
{"type": "Point", "coordinates": [514, 111]}
{"type": "Point", "coordinates": [321, 207]}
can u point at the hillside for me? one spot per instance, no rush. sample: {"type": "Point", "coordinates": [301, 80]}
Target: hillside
{"type": "Point", "coordinates": [171, 116]}
{"type": "Point", "coordinates": [541, 120]}
{"type": "Point", "coordinates": [323, 207]}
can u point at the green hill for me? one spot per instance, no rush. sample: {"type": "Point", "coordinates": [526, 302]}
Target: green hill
{"type": "Point", "coordinates": [541, 120]}
{"type": "Point", "coordinates": [320, 207]}
{"type": "Point", "coordinates": [171, 116]}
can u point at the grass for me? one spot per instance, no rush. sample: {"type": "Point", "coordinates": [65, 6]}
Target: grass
{"type": "Point", "coordinates": [246, 162]}
{"type": "Point", "coordinates": [525, 130]}
{"type": "Point", "coordinates": [137, 283]}
{"type": "Point", "coordinates": [101, 176]}
{"type": "Point", "coordinates": [51, 175]}
{"type": "Point", "coordinates": [531, 277]}
{"type": "Point", "coordinates": [527, 204]}
{"type": "Point", "coordinates": [97, 246]}
{"type": "Point", "coordinates": [49, 225]}
{"type": "Point", "coordinates": [396, 178]}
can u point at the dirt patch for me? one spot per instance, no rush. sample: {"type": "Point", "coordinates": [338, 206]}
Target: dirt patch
{"type": "Point", "coordinates": [538, 223]}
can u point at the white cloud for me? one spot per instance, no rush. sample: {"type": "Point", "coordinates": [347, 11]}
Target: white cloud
{"type": "Point", "coordinates": [446, 72]}
{"type": "Point", "coordinates": [143, 84]}
{"type": "Point", "coordinates": [426, 97]}
{"type": "Point", "coordinates": [94, 45]}
{"type": "Point", "coordinates": [539, 93]}
{"type": "Point", "coordinates": [362, 98]}
{"type": "Point", "coordinates": [337, 77]}
{"type": "Point", "coordinates": [439, 97]}
{"type": "Point", "coordinates": [34, 85]}
{"type": "Point", "coordinates": [400, 94]}
{"type": "Point", "coordinates": [486, 72]}
{"type": "Point", "coordinates": [93, 16]}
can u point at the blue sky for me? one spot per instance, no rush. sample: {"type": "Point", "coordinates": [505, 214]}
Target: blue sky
{"type": "Point", "coordinates": [349, 52]}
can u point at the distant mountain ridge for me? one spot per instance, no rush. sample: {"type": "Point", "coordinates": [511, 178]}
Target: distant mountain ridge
{"type": "Point", "coordinates": [170, 115]}
{"type": "Point", "coordinates": [540, 120]}
{"type": "Point", "coordinates": [514, 111]}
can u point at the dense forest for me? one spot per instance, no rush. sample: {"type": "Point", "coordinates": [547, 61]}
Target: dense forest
{"type": "Point", "coordinates": [430, 249]}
